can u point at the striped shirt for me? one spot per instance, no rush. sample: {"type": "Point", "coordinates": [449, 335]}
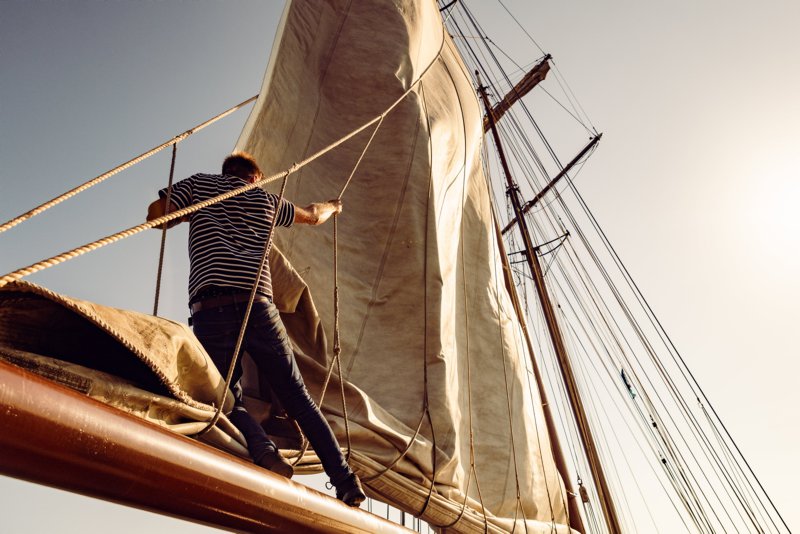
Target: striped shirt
{"type": "Point", "coordinates": [226, 239]}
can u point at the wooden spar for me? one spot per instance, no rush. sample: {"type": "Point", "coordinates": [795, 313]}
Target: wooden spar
{"type": "Point", "coordinates": [531, 203]}
{"type": "Point", "coordinates": [55, 436]}
{"type": "Point", "coordinates": [575, 516]}
{"type": "Point", "coordinates": [522, 88]}
{"type": "Point", "coordinates": [581, 420]}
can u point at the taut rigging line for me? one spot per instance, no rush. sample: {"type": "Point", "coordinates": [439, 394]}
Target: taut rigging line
{"type": "Point", "coordinates": [130, 163]}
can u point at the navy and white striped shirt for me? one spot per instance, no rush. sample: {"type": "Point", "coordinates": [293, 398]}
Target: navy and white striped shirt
{"type": "Point", "coordinates": [226, 239]}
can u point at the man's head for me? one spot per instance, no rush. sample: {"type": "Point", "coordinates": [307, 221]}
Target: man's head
{"type": "Point", "coordinates": [243, 165]}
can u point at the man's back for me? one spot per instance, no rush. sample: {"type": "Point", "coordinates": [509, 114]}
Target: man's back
{"type": "Point", "coordinates": [226, 239]}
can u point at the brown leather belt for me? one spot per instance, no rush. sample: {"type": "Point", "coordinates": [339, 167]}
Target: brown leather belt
{"type": "Point", "coordinates": [222, 300]}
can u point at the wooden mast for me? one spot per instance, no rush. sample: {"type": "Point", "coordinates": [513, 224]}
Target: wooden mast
{"type": "Point", "coordinates": [574, 511]}
{"type": "Point", "coordinates": [578, 411]}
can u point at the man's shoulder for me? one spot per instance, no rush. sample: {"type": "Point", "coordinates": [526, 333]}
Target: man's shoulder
{"type": "Point", "coordinates": [200, 178]}
{"type": "Point", "coordinates": [212, 182]}
{"type": "Point", "coordinates": [207, 176]}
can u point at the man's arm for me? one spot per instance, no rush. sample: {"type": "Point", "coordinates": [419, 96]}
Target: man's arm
{"type": "Point", "coordinates": [156, 210]}
{"type": "Point", "coordinates": [317, 213]}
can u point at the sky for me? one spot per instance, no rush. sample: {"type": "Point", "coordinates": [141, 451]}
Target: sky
{"type": "Point", "coordinates": [695, 182]}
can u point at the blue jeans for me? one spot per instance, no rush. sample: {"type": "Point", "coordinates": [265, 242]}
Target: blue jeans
{"type": "Point", "coordinates": [268, 344]}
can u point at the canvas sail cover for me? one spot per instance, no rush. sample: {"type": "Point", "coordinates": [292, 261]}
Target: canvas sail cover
{"type": "Point", "coordinates": [147, 366]}
{"type": "Point", "coordinates": [438, 391]}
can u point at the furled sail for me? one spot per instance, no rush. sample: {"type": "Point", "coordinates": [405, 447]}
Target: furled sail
{"type": "Point", "coordinates": [438, 391]}
{"type": "Point", "coordinates": [147, 366]}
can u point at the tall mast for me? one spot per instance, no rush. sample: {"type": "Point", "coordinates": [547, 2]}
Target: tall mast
{"type": "Point", "coordinates": [567, 375]}
{"type": "Point", "coordinates": [574, 510]}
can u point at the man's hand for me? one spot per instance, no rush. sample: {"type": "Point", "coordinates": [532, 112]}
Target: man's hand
{"type": "Point", "coordinates": [318, 212]}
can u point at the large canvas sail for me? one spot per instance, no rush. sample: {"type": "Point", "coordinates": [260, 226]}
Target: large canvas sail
{"type": "Point", "coordinates": [438, 388]}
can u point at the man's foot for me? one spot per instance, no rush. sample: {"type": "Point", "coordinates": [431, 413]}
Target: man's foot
{"type": "Point", "coordinates": [350, 492]}
{"type": "Point", "coordinates": [273, 461]}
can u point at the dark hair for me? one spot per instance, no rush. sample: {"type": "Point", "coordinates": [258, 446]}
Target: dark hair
{"type": "Point", "coordinates": [240, 164]}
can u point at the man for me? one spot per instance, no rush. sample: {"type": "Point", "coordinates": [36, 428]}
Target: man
{"type": "Point", "coordinates": [226, 243]}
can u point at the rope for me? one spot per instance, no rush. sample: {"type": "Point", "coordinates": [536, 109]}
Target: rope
{"type": "Point", "coordinates": [167, 204]}
{"type": "Point", "coordinates": [358, 162]}
{"type": "Point", "coordinates": [336, 333]}
{"type": "Point", "coordinates": [337, 347]}
{"type": "Point", "coordinates": [113, 238]}
{"type": "Point", "coordinates": [246, 318]}
{"type": "Point", "coordinates": [94, 181]}
{"type": "Point", "coordinates": [403, 453]}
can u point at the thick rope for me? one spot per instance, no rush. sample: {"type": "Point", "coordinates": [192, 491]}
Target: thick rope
{"type": "Point", "coordinates": [167, 202]}
{"type": "Point", "coordinates": [245, 320]}
{"type": "Point", "coordinates": [113, 238]}
{"type": "Point", "coordinates": [55, 260]}
{"type": "Point", "coordinates": [94, 181]}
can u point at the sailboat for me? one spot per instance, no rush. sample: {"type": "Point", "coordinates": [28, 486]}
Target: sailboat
{"type": "Point", "coordinates": [443, 404]}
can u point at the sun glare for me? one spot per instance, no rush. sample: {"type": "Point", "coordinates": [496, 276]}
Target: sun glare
{"type": "Point", "coordinates": [776, 210]}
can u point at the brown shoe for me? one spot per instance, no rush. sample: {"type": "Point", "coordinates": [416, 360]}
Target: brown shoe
{"type": "Point", "coordinates": [273, 461]}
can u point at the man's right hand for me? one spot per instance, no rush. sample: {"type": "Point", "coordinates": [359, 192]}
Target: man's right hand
{"type": "Point", "coordinates": [318, 212]}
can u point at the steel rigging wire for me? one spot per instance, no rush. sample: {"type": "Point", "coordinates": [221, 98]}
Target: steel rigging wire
{"type": "Point", "coordinates": [659, 367]}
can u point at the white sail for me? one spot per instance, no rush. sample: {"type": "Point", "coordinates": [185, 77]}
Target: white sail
{"type": "Point", "coordinates": [430, 339]}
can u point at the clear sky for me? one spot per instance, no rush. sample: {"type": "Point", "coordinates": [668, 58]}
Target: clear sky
{"type": "Point", "coordinates": [696, 181]}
